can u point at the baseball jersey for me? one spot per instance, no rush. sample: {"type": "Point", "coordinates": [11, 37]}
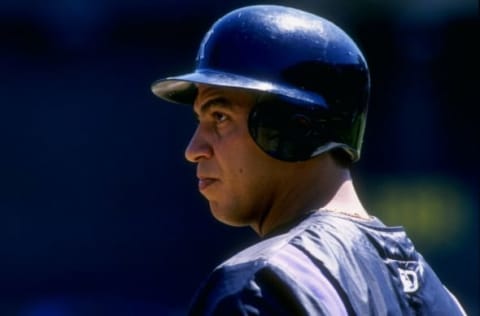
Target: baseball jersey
{"type": "Point", "coordinates": [327, 264]}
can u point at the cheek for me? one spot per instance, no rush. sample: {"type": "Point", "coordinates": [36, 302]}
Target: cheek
{"type": "Point", "coordinates": [242, 161]}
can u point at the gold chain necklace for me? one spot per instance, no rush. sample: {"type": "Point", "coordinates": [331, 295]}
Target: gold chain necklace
{"type": "Point", "coordinates": [354, 214]}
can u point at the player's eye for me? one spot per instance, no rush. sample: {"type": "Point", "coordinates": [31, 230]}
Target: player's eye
{"type": "Point", "coordinates": [219, 117]}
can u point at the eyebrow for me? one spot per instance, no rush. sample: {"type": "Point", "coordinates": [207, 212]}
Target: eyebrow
{"type": "Point", "coordinates": [221, 102]}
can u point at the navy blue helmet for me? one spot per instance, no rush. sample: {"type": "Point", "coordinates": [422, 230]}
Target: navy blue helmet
{"type": "Point", "coordinates": [312, 79]}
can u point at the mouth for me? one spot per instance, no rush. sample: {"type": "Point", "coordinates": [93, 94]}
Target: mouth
{"type": "Point", "coordinates": [204, 183]}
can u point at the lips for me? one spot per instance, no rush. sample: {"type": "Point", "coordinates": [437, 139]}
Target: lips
{"type": "Point", "coordinates": [204, 182]}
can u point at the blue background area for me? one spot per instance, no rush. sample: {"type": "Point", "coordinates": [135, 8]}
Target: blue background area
{"type": "Point", "coordinates": [99, 213]}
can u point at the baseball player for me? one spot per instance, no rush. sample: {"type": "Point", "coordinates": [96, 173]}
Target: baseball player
{"type": "Point", "coordinates": [281, 99]}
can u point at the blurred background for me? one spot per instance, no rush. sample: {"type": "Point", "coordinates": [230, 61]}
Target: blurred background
{"type": "Point", "coordinates": [99, 212]}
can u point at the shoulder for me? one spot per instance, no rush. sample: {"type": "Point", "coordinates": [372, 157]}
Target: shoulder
{"type": "Point", "coordinates": [295, 248]}
{"type": "Point", "coordinates": [316, 226]}
{"type": "Point", "coordinates": [272, 276]}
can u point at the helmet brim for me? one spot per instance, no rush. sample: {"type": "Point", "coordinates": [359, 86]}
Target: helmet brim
{"type": "Point", "coordinates": [183, 89]}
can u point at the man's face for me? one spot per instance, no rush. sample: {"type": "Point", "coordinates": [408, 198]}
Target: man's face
{"type": "Point", "coordinates": [235, 176]}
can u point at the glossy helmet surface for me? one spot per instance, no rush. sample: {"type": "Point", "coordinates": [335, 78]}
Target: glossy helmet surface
{"type": "Point", "coordinates": [313, 79]}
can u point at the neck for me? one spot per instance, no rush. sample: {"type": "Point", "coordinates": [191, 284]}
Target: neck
{"type": "Point", "coordinates": [346, 201]}
{"type": "Point", "coordinates": [313, 186]}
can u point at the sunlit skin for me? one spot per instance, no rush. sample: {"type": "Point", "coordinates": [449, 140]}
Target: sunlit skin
{"type": "Point", "coordinates": [246, 187]}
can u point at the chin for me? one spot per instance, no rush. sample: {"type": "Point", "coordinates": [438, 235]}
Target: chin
{"type": "Point", "coordinates": [227, 217]}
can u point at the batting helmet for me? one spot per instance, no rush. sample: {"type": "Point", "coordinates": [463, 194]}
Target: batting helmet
{"type": "Point", "coordinates": [313, 79]}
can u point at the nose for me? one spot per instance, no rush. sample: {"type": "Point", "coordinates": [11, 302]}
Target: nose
{"type": "Point", "coordinates": [198, 148]}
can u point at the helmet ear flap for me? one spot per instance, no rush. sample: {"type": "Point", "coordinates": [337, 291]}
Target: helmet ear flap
{"type": "Point", "coordinates": [300, 125]}
{"type": "Point", "coordinates": [286, 131]}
